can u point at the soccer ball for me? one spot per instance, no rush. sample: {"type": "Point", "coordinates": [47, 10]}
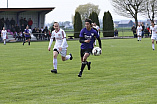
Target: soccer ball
{"type": "Point", "coordinates": [96, 51]}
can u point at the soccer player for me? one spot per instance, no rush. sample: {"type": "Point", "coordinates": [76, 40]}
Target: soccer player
{"type": "Point", "coordinates": [4, 35]}
{"type": "Point", "coordinates": [139, 32]}
{"type": "Point", "coordinates": [153, 31]}
{"type": "Point", "coordinates": [27, 35]}
{"type": "Point", "coordinates": [60, 46]}
{"type": "Point", "coordinates": [98, 29]}
{"type": "Point", "coordinates": [87, 38]}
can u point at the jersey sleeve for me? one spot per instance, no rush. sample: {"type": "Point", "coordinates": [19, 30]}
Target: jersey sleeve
{"type": "Point", "coordinates": [81, 33]}
{"type": "Point", "coordinates": [63, 34]}
{"type": "Point", "coordinates": [52, 35]}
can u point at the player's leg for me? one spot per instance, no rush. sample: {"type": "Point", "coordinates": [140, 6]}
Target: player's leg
{"type": "Point", "coordinates": [153, 44]}
{"type": "Point", "coordinates": [29, 41]}
{"type": "Point", "coordinates": [64, 56]}
{"type": "Point", "coordinates": [4, 41]}
{"type": "Point", "coordinates": [138, 37]}
{"type": "Point", "coordinates": [55, 54]}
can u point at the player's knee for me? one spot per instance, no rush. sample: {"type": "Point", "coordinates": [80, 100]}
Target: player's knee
{"type": "Point", "coordinates": [63, 59]}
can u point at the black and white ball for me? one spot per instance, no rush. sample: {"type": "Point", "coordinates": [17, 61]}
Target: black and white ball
{"type": "Point", "coordinates": [96, 51]}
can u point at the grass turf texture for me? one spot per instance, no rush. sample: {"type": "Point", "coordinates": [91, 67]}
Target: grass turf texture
{"type": "Point", "coordinates": [125, 73]}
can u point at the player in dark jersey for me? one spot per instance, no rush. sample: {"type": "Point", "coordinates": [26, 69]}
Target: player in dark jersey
{"type": "Point", "coordinates": [87, 38]}
{"type": "Point", "coordinates": [27, 35]}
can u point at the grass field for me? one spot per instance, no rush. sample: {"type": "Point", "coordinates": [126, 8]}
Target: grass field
{"type": "Point", "coordinates": [125, 73]}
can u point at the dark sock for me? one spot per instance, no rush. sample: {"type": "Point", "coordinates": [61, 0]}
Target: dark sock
{"type": "Point", "coordinates": [28, 43]}
{"type": "Point", "coordinates": [83, 65]}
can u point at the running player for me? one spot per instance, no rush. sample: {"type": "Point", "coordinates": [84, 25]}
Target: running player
{"type": "Point", "coordinates": [139, 32]}
{"type": "Point", "coordinates": [27, 33]}
{"type": "Point", "coordinates": [153, 31]}
{"type": "Point", "coordinates": [87, 38]}
{"type": "Point", "coordinates": [60, 46]}
{"type": "Point", "coordinates": [4, 35]}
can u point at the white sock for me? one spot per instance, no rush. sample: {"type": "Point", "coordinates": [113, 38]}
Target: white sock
{"type": "Point", "coordinates": [67, 57]}
{"type": "Point", "coordinates": [153, 46]}
{"type": "Point", "coordinates": [55, 63]}
{"type": "Point", "coordinates": [4, 42]}
{"type": "Point", "coordinates": [138, 38]}
{"type": "Point", "coordinates": [95, 42]}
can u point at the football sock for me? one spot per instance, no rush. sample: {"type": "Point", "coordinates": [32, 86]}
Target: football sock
{"type": "Point", "coordinates": [67, 57]}
{"type": "Point", "coordinates": [138, 38]}
{"type": "Point", "coordinates": [55, 63]}
{"type": "Point", "coordinates": [4, 42]}
{"type": "Point", "coordinates": [28, 43]}
{"type": "Point", "coordinates": [83, 65]}
{"type": "Point", "coordinates": [153, 46]}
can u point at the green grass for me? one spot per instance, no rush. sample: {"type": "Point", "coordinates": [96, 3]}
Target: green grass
{"type": "Point", "coordinates": [125, 73]}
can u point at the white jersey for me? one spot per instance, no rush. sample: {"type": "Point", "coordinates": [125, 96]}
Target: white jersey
{"type": "Point", "coordinates": [139, 29]}
{"type": "Point", "coordinates": [154, 30]}
{"type": "Point", "coordinates": [59, 37]}
{"type": "Point", "coordinates": [4, 33]}
{"type": "Point", "coordinates": [97, 27]}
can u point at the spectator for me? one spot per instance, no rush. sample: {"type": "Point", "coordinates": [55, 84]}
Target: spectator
{"type": "Point", "coordinates": [25, 22]}
{"type": "Point", "coordinates": [22, 30]}
{"type": "Point", "coordinates": [7, 23]}
{"type": "Point", "coordinates": [30, 22]}
{"type": "Point", "coordinates": [12, 22]}
{"type": "Point", "coordinates": [38, 32]}
{"type": "Point", "coordinates": [116, 33]}
{"type": "Point", "coordinates": [17, 30]}
{"type": "Point", "coordinates": [143, 28]}
{"type": "Point", "coordinates": [41, 36]}
{"type": "Point", "coordinates": [46, 32]}
{"type": "Point", "coordinates": [21, 21]}
{"type": "Point", "coordinates": [134, 31]}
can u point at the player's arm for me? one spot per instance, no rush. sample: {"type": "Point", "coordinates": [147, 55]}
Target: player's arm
{"type": "Point", "coordinates": [50, 43]}
{"type": "Point", "coordinates": [64, 40]}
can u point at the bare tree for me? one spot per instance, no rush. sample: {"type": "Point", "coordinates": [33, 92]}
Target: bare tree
{"type": "Point", "coordinates": [129, 8]}
{"type": "Point", "coordinates": [151, 9]}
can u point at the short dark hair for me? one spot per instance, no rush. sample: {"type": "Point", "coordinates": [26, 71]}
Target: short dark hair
{"type": "Point", "coordinates": [152, 21]}
{"type": "Point", "coordinates": [88, 20]}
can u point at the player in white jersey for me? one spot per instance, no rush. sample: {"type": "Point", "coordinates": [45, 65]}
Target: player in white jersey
{"type": "Point", "coordinates": [60, 46]}
{"type": "Point", "coordinates": [153, 31]}
{"type": "Point", "coordinates": [4, 35]}
{"type": "Point", "coordinates": [139, 32]}
{"type": "Point", "coordinates": [98, 29]}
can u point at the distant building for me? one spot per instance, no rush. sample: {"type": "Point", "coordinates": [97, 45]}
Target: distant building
{"type": "Point", "coordinates": [126, 23]}
{"type": "Point", "coordinates": [115, 23]}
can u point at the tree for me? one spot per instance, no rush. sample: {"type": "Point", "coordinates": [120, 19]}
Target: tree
{"type": "Point", "coordinates": [129, 8]}
{"type": "Point", "coordinates": [94, 17]}
{"type": "Point", "coordinates": [108, 26]}
{"type": "Point", "coordinates": [77, 24]}
{"type": "Point", "coordinates": [86, 10]}
{"type": "Point", "coordinates": [151, 9]}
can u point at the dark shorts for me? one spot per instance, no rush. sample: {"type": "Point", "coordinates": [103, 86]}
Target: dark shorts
{"type": "Point", "coordinates": [83, 51]}
{"type": "Point", "coordinates": [28, 38]}
{"type": "Point", "coordinates": [56, 50]}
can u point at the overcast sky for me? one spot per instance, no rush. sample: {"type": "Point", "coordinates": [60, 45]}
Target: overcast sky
{"type": "Point", "coordinates": [64, 9]}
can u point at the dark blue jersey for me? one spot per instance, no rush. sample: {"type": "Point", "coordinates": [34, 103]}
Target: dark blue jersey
{"type": "Point", "coordinates": [27, 33]}
{"type": "Point", "coordinates": [88, 35]}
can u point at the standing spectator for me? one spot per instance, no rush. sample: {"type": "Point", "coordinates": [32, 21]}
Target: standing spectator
{"type": "Point", "coordinates": [46, 32]}
{"type": "Point", "coordinates": [52, 28]}
{"type": "Point", "coordinates": [12, 29]}
{"type": "Point", "coordinates": [0, 35]}
{"type": "Point", "coordinates": [38, 32]}
{"type": "Point", "coordinates": [143, 28]}
{"type": "Point", "coordinates": [4, 35]}
{"type": "Point", "coordinates": [41, 36]}
{"type": "Point", "coordinates": [22, 30]}
{"type": "Point", "coordinates": [116, 33]}
{"type": "Point", "coordinates": [25, 22]}
{"type": "Point", "coordinates": [134, 31]}
{"type": "Point", "coordinates": [12, 22]}
{"type": "Point", "coordinates": [7, 23]}
{"type": "Point", "coordinates": [17, 30]}
{"type": "Point", "coordinates": [2, 23]}
{"type": "Point", "coordinates": [21, 21]}
{"type": "Point", "coordinates": [30, 22]}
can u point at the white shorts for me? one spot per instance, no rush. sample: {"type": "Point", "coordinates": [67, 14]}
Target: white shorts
{"type": "Point", "coordinates": [139, 33]}
{"type": "Point", "coordinates": [63, 52]}
{"type": "Point", "coordinates": [154, 37]}
{"type": "Point", "coordinates": [4, 37]}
